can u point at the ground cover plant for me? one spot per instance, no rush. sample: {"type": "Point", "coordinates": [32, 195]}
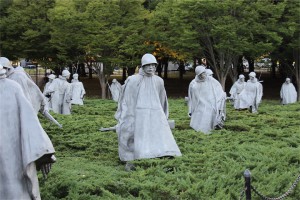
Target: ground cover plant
{"type": "Point", "coordinates": [211, 167]}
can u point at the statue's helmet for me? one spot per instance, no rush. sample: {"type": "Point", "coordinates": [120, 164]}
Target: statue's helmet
{"type": "Point", "coordinates": [199, 70]}
{"type": "Point", "coordinates": [5, 62]}
{"type": "Point", "coordinates": [65, 73]}
{"type": "Point", "coordinates": [114, 80]}
{"type": "Point", "coordinates": [241, 76]}
{"type": "Point", "coordinates": [148, 59]}
{"type": "Point", "coordinates": [51, 76]}
{"type": "Point", "coordinates": [75, 75]}
{"type": "Point", "coordinates": [252, 74]}
{"type": "Point", "coordinates": [209, 72]}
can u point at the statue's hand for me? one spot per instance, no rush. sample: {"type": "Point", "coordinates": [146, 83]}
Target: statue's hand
{"type": "Point", "coordinates": [45, 163]}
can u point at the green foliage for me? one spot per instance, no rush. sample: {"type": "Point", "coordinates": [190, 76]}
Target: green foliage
{"type": "Point", "coordinates": [211, 166]}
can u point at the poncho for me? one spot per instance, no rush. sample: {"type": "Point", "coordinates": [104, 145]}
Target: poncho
{"type": "Point", "coordinates": [143, 129]}
{"type": "Point", "coordinates": [22, 142]}
{"type": "Point", "coordinates": [77, 91]}
{"type": "Point", "coordinates": [206, 103]}
{"type": "Point", "coordinates": [115, 89]}
{"type": "Point", "coordinates": [31, 90]}
{"type": "Point", "coordinates": [288, 93]}
{"type": "Point", "coordinates": [60, 95]}
{"type": "Point", "coordinates": [251, 95]}
{"type": "Point", "coordinates": [235, 91]}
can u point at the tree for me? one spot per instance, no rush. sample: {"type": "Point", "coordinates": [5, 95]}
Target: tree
{"type": "Point", "coordinates": [288, 53]}
{"type": "Point", "coordinates": [222, 31]}
{"type": "Point", "coordinates": [25, 31]}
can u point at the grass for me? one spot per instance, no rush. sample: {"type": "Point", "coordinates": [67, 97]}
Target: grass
{"type": "Point", "coordinates": [211, 167]}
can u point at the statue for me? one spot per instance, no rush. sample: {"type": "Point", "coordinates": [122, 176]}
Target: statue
{"type": "Point", "coordinates": [51, 77]}
{"type": "Point", "coordinates": [209, 72]}
{"type": "Point", "coordinates": [252, 94]}
{"type": "Point", "coordinates": [288, 93]}
{"type": "Point", "coordinates": [206, 102]}
{"type": "Point", "coordinates": [25, 147]}
{"type": "Point", "coordinates": [60, 91]}
{"type": "Point", "coordinates": [236, 90]}
{"type": "Point", "coordinates": [143, 129]}
{"type": "Point", "coordinates": [115, 89]}
{"type": "Point", "coordinates": [31, 90]}
{"type": "Point", "coordinates": [77, 90]}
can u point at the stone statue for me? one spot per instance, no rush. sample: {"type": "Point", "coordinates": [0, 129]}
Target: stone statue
{"type": "Point", "coordinates": [51, 77]}
{"type": "Point", "coordinates": [143, 129]}
{"type": "Point", "coordinates": [236, 90]}
{"type": "Point", "coordinates": [252, 94]}
{"type": "Point", "coordinates": [288, 93]}
{"type": "Point", "coordinates": [31, 90]}
{"type": "Point", "coordinates": [115, 89]}
{"type": "Point", "coordinates": [77, 90]}
{"type": "Point", "coordinates": [60, 91]}
{"type": "Point", "coordinates": [209, 72]}
{"type": "Point", "coordinates": [25, 147]}
{"type": "Point", "coordinates": [206, 102]}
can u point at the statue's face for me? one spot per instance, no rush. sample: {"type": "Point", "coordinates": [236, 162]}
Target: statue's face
{"type": "Point", "coordinates": [287, 81]}
{"type": "Point", "coordinates": [242, 79]}
{"type": "Point", "coordinates": [75, 77]}
{"type": "Point", "coordinates": [202, 76]}
{"type": "Point", "coordinates": [252, 78]}
{"type": "Point", "coordinates": [149, 69]}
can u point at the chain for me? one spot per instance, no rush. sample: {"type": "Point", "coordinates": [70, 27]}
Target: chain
{"type": "Point", "coordinates": [242, 193]}
{"type": "Point", "coordinates": [280, 197]}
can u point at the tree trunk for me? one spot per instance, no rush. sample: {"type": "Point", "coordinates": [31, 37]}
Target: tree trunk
{"type": "Point", "coordinates": [296, 55]}
{"type": "Point", "coordinates": [159, 68]}
{"type": "Point", "coordinates": [165, 64]}
{"type": "Point", "coordinates": [251, 64]}
{"type": "Point", "coordinates": [222, 82]}
{"type": "Point", "coordinates": [124, 74]}
{"type": "Point", "coordinates": [273, 67]}
{"type": "Point", "coordinates": [99, 67]}
{"type": "Point", "coordinates": [103, 89]}
{"type": "Point", "coordinates": [90, 72]}
{"type": "Point", "coordinates": [181, 70]}
{"type": "Point", "coordinates": [81, 70]}
{"type": "Point", "coordinates": [130, 71]}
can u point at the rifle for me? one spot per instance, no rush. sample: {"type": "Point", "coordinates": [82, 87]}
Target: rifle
{"type": "Point", "coordinates": [48, 116]}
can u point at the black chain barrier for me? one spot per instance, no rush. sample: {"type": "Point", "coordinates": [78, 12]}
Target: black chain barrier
{"type": "Point", "coordinates": [248, 188]}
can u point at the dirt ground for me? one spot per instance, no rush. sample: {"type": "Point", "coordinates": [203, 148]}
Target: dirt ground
{"type": "Point", "coordinates": [179, 88]}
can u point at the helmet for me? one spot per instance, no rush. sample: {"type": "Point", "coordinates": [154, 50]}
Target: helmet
{"type": "Point", "coordinates": [241, 76]}
{"type": "Point", "coordinates": [252, 74]}
{"type": "Point", "coordinates": [65, 73]}
{"type": "Point", "coordinates": [114, 80]}
{"type": "Point", "coordinates": [199, 70]}
{"type": "Point", "coordinates": [148, 59]}
{"type": "Point", "coordinates": [75, 75]}
{"type": "Point", "coordinates": [5, 62]}
{"type": "Point", "coordinates": [51, 76]}
{"type": "Point", "coordinates": [209, 72]}
{"type": "Point", "coordinates": [2, 71]}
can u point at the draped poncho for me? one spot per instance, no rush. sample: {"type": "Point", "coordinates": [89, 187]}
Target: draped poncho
{"type": "Point", "coordinates": [22, 142]}
{"type": "Point", "coordinates": [288, 93]}
{"type": "Point", "coordinates": [77, 91]}
{"type": "Point", "coordinates": [143, 129]}
{"type": "Point", "coordinates": [206, 103]}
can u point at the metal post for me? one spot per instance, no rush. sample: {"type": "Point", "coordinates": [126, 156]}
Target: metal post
{"type": "Point", "coordinates": [247, 176]}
